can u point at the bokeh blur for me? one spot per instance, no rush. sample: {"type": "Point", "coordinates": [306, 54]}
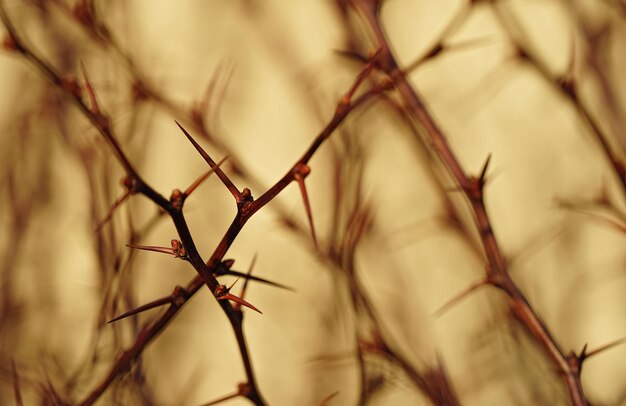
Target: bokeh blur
{"type": "Point", "coordinates": [517, 80]}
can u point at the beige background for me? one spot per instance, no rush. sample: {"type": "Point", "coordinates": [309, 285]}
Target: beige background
{"type": "Point", "coordinates": [285, 81]}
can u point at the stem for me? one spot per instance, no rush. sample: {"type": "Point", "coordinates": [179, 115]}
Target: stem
{"type": "Point", "coordinates": [497, 271]}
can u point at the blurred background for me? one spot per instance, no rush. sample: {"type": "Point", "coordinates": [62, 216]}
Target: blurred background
{"type": "Point", "coordinates": [257, 81]}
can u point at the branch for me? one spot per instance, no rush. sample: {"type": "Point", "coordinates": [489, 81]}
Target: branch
{"type": "Point", "coordinates": [497, 271]}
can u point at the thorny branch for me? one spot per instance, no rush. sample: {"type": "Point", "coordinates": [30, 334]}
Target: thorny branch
{"type": "Point", "coordinates": [497, 273]}
{"type": "Point", "coordinates": [382, 60]}
{"type": "Point", "coordinates": [246, 205]}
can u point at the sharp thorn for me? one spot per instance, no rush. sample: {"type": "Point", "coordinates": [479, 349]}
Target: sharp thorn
{"type": "Point", "coordinates": [218, 171]}
{"type": "Point", "coordinates": [162, 250]}
{"type": "Point", "coordinates": [307, 207]}
{"type": "Point", "coordinates": [605, 347]}
{"type": "Point", "coordinates": [140, 309]}
{"type": "Point", "coordinates": [92, 95]}
{"type": "Point", "coordinates": [114, 207]}
{"type": "Point", "coordinates": [202, 178]}
{"type": "Point", "coordinates": [230, 296]}
{"type": "Point", "coordinates": [259, 279]}
{"type": "Point", "coordinates": [327, 399]}
{"type": "Point", "coordinates": [483, 173]}
{"type": "Point", "coordinates": [355, 56]}
{"type": "Point", "coordinates": [248, 276]}
{"type": "Point", "coordinates": [16, 384]}
{"type": "Point", "coordinates": [460, 296]}
{"type": "Point", "coordinates": [222, 399]}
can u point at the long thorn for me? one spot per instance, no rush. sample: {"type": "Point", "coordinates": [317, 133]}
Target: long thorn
{"type": "Point", "coordinates": [233, 284]}
{"type": "Point", "coordinates": [327, 399]}
{"type": "Point", "coordinates": [604, 347]}
{"type": "Point", "coordinates": [92, 95]}
{"type": "Point", "coordinates": [608, 221]}
{"type": "Point", "coordinates": [118, 202]}
{"type": "Point", "coordinates": [352, 55]}
{"type": "Point", "coordinates": [222, 399]}
{"type": "Point", "coordinates": [367, 69]}
{"type": "Point", "coordinates": [445, 47]}
{"type": "Point", "coordinates": [249, 277]}
{"type": "Point", "coordinates": [460, 296]}
{"type": "Point", "coordinates": [299, 176]}
{"type": "Point", "coordinates": [202, 178]}
{"type": "Point", "coordinates": [163, 250]}
{"type": "Point", "coordinates": [483, 173]}
{"type": "Point", "coordinates": [140, 309]}
{"type": "Point", "coordinates": [230, 296]}
{"type": "Point", "coordinates": [16, 385]}
{"type": "Point", "coordinates": [225, 180]}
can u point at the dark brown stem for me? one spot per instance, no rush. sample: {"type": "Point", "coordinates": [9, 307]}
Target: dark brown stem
{"type": "Point", "coordinates": [246, 208]}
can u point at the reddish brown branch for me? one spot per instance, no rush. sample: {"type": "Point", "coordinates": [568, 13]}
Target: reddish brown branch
{"type": "Point", "coordinates": [568, 87]}
{"type": "Point", "coordinates": [246, 208]}
{"type": "Point", "coordinates": [497, 271]}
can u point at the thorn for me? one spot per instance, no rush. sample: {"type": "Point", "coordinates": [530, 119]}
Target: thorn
{"type": "Point", "coordinates": [177, 252]}
{"type": "Point", "coordinates": [242, 390]}
{"type": "Point", "coordinates": [301, 171]}
{"type": "Point", "coordinates": [358, 224]}
{"type": "Point", "coordinates": [248, 276]}
{"type": "Point", "coordinates": [473, 187]}
{"type": "Point", "coordinates": [233, 284]}
{"type": "Point", "coordinates": [152, 248]}
{"type": "Point", "coordinates": [365, 71]}
{"type": "Point", "coordinates": [16, 385]}
{"type": "Point", "coordinates": [441, 46]}
{"type": "Point", "coordinates": [484, 170]}
{"type": "Point", "coordinates": [225, 180]}
{"type": "Point", "coordinates": [140, 309]}
{"type": "Point", "coordinates": [584, 355]}
{"type": "Point", "coordinates": [230, 296]}
{"type": "Point", "coordinates": [601, 218]}
{"type": "Point", "coordinates": [95, 108]}
{"type": "Point", "coordinates": [327, 399]}
{"type": "Point", "coordinates": [211, 92]}
{"type": "Point", "coordinates": [464, 293]}
{"type": "Point", "coordinates": [222, 293]}
{"type": "Point", "coordinates": [355, 56]}
{"type": "Point", "coordinates": [225, 269]}
{"type": "Point", "coordinates": [202, 178]}
{"type": "Point", "coordinates": [223, 399]}
{"type": "Point", "coordinates": [118, 202]}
